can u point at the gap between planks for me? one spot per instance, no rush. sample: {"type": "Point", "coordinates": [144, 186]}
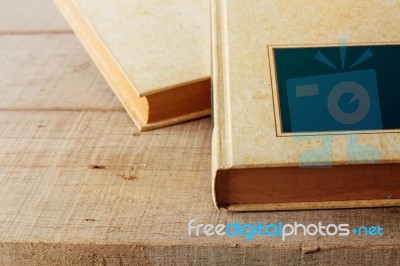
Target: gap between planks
{"type": "Point", "coordinates": [94, 110]}
{"type": "Point", "coordinates": [36, 32]}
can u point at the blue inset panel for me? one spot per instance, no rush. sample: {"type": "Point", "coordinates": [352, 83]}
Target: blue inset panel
{"type": "Point", "coordinates": [339, 88]}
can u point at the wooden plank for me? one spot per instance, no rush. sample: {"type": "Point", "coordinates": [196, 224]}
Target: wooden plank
{"type": "Point", "coordinates": [114, 254]}
{"type": "Point", "coordinates": [136, 204]}
{"type": "Point", "coordinates": [57, 124]}
{"type": "Point", "coordinates": [24, 16]}
{"type": "Point", "coordinates": [50, 72]}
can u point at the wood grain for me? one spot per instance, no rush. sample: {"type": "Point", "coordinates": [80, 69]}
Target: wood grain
{"type": "Point", "coordinates": [80, 185]}
{"type": "Point", "coordinates": [30, 17]}
{"type": "Point", "coordinates": [51, 72]}
{"type": "Point", "coordinates": [137, 203]}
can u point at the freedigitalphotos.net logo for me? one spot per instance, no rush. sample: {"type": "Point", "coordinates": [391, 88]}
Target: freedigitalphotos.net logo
{"type": "Point", "coordinates": [284, 231]}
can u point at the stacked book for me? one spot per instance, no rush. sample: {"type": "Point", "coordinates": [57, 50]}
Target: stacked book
{"type": "Point", "coordinates": [305, 97]}
{"type": "Point", "coordinates": [154, 54]}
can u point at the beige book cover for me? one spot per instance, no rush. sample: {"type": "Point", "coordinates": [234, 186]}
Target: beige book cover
{"type": "Point", "coordinates": [154, 54]}
{"type": "Point", "coordinates": [306, 104]}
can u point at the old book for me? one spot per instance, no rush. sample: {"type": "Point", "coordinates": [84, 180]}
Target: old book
{"type": "Point", "coordinates": [154, 54]}
{"type": "Point", "coordinates": [306, 104]}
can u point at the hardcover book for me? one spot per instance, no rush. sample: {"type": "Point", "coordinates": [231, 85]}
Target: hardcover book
{"type": "Point", "coordinates": [154, 54]}
{"type": "Point", "coordinates": [306, 104]}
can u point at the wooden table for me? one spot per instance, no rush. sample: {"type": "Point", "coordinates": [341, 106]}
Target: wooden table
{"type": "Point", "coordinates": [80, 185]}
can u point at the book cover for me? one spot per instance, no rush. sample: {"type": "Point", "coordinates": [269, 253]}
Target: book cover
{"type": "Point", "coordinates": [154, 54]}
{"type": "Point", "coordinates": [306, 104]}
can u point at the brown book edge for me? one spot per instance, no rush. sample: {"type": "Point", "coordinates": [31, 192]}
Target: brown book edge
{"type": "Point", "coordinates": [298, 206]}
{"type": "Point", "coordinates": [150, 111]}
{"type": "Point", "coordinates": [294, 188]}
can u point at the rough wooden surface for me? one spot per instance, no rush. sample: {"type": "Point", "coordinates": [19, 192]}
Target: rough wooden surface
{"type": "Point", "coordinates": [80, 185]}
{"type": "Point", "coordinates": [30, 17]}
{"type": "Point", "coordinates": [50, 72]}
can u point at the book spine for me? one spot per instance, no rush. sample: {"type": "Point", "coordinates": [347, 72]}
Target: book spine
{"type": "Point", "coordinates": [219, 138]}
